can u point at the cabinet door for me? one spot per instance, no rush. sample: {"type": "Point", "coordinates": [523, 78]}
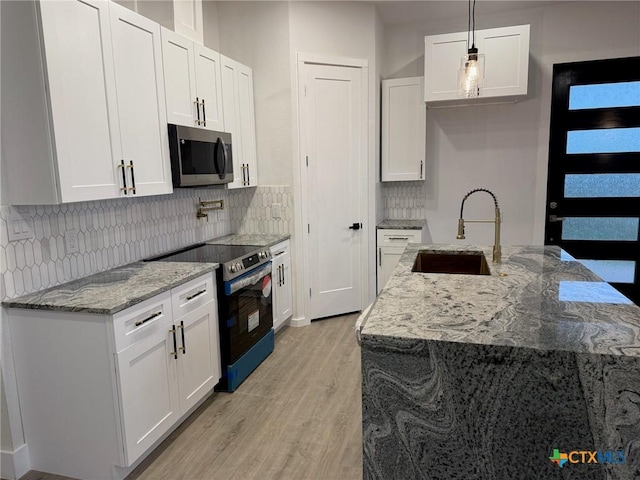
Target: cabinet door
{"type": "Point", "coordinates": [188, 19]}
{"type": "Point", "coordinates": [506, 52]}
{"type": "Point", "coordinates": [199, 354]}
{"type": "Point", "coordinates": [285, 304]}
{"type": "Point", "coordinates": [179, 79]}
{"type": "Point", "coordinates": [137, 54]}
{"type": "Point", "coordinates": [442, 57]}
{"type": "Point", "coordinates": [230, 97]}
{"type": "Point", "coordinates": [81, 85]}
{"type": "Point", "coordinates": [148, 392]}
{"type": "Point", "coordinates": [239, 120]}
{"type": "Point", "coordinates": [403, 129]}
{"type": "Point", "coordinates": [209, 87]}
{"type": "Point", "coordinates": [247, 123]}
{"type": "Point", "coordinates": [388, 258]}
{"type": "Point", "coordinates": [506, 60]}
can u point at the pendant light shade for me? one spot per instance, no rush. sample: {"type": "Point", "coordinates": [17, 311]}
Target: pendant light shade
{"type": "Point", "coordinates": [471, 73]}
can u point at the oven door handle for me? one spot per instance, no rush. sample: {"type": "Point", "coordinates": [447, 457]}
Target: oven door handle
{"type": "Point", "coordinates": [247, 279]}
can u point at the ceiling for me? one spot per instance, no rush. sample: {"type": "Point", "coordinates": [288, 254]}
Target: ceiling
{"type": "Point", "coordinates": [398, 12]}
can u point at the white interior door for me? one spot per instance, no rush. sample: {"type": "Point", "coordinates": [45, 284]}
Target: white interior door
{"type": "Point", "coordinates": [334, 139]}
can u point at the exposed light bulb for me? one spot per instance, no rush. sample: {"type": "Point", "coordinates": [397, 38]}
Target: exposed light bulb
{"type": "Point", "coordinates": [471, 74]}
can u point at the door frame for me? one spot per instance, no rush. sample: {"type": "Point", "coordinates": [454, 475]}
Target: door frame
{"type": "Point", "coordinates": [302, 303]}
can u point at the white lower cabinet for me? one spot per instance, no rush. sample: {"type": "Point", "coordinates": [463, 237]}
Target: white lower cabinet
{"type": "Point", "coordinates": [391, 244]}
{"type": "Point", "coordinates": [113, 386]}
{"type": "Point", "coordinates": [281, 281]}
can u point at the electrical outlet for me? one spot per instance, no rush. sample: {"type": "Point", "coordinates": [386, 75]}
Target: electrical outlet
{"type": "Point", "coordinates": [276, 211]}
{"type": "Point", "coordinates": [71, 241]}
{"type": "Point", "coordinates": [19, 228]}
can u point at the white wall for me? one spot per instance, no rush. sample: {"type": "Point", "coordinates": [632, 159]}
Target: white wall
{"type": "Point", "coordinates": [257, 34]}
{"type": "Point", "coordinates": [504, 148]}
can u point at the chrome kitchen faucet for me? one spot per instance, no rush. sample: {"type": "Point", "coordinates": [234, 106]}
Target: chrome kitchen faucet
{"type": "Point", "coordinates": [497, 252]}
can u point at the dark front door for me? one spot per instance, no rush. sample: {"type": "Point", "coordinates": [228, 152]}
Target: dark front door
{"type": "Point", "coordinates": [593, 191]}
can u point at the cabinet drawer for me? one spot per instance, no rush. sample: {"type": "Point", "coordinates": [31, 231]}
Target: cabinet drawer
{"type": "Point", "coordinates": [193, 294]}
{"type": "Point", "coordinates": [280, 249]}
{"type": "Point", "coordinates": [398, 237]}
{"type": "Point", "coordinates": [142, 321]}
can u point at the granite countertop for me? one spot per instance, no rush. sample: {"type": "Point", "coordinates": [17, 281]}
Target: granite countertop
{"type": "Point", "coordinates": [109, 292]}
{"type": "Point", "coordinates": [402, 224]}
{"type": "Point", "coordinates": [538, 297]}
{"type": "Point", "coordinates": [259, 240]}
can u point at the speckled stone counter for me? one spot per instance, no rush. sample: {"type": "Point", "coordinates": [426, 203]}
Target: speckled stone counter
{"type": "Point", "coordinates": [114, 290]}
{"type": "Point", "coordinates": [482, 377]}
{"type": "Point", "coordinates": [402, 224]}
{"type": "Point", "coordinates": [259, 240]}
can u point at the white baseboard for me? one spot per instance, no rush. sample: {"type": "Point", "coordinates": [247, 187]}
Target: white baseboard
{"type": "Point", "coordinates": [14, 465]}
{"type": "Point", "coordinates": [299, 322]}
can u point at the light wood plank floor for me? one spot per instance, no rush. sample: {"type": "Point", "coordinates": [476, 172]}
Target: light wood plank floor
{"type": "Point", "coordinates": [298, 416]}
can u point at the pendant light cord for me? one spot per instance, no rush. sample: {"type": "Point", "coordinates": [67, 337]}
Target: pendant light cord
{"type": "Point", "coordinates": [473, 43]}
{"type": "Point", "coordinates": [471, 25]}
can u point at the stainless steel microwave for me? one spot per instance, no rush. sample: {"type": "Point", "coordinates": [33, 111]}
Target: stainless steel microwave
{"type": "Point", "coordinates": [200, 157]}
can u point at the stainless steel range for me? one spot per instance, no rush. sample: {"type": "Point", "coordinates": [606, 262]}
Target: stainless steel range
{"type": "Point", "coordinates": [245, 315]}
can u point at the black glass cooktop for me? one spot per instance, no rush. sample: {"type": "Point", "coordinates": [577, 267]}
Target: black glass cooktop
{"type": "Point", "coordinates": [207, 254]}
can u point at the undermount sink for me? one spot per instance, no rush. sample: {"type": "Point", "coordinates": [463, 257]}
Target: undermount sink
{"type": "Point", "coordinates": [437, 261]}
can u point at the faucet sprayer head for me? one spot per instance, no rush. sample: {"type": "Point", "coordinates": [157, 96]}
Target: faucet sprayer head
{"type": "Point", "coordinates": [461, 229]}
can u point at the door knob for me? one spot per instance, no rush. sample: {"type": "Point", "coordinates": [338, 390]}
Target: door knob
{"type": "Point", "coordinates": [355, 226]}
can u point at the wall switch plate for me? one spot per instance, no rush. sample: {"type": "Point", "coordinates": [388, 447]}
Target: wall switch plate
{"type": "Point", "coordinates": [20, 228]}
{"type": "Point", "coordinates": [71, 241]}
{"type": "Point", "coordinates": [276, 211]}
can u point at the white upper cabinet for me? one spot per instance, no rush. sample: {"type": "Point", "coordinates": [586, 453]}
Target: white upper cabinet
{"type": "Point", "coordinates": [188, 19]}
{"type": "Point", "coordinates": [137, 54]}
{"type": "Point", "coordinates": [193, 85]}
{"type": "Point", "coordinates": [80, 96]}
{"type": "Point", "coordinates": [506, 53]}
{"type": "Point", "coordinates": [239, 117]}
{"type": "Point", "coordinates": [403, 129]}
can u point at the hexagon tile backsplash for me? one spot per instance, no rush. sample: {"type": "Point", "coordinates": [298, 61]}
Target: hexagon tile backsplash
{"type": "Point", "coordinates": [112, 233]}
{"type": "Point", "coordinates": [404, 200]}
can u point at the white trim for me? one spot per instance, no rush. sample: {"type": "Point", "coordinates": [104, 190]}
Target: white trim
{"type": "Point", "coordinates": [14, 464]}
{"type": "Point", "coordinates": [299, 322]}
{"type": "Point", "coordinates": [300, 188]}
{"type": "Point", "coordinates": [336, 61]}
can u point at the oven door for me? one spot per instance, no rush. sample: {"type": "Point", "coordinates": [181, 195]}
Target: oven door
{"type": "Point", "coordinates": [245, 312]}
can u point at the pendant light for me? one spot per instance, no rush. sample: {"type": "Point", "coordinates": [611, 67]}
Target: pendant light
{"type": "Point", "coordinates": [471, 73]}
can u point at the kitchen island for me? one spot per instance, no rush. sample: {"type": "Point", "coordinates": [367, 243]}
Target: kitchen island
{"type": "Point", "coordinates": [482, 377]}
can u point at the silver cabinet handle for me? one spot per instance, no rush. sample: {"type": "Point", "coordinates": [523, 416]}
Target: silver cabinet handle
{"type": "Point", "coordinates": [197, 294]}
{"type": "Point", "coordinates": [175, 343]}
{"type": "Point", "coordinates": [148, 319]}
{"type": "Point", "coordinates": [398, 238]}
{"type": "Point", "coordinates": [197, 102]}
{"type": "Point", "coordinates": [421, 163]}
{"type": "Point", "coordinates": [248, 175]}
{"type": "Point", "coordinates": [184, 346]}
{"type": "Point", "coordinates": [204, 115]}
{"type": "Point", "coordinates": [379, 256]}
{"type": "Point", "coordinates": [133, 177]}
{"type": "Point", "coordinates": [124, 177]}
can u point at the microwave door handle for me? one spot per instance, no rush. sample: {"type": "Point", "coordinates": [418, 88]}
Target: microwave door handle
{"type": "Point", "coordinates": [221, 171]}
